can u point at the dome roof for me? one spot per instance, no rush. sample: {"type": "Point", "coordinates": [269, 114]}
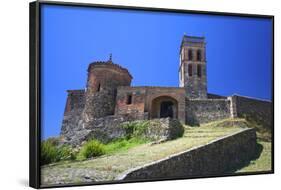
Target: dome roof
{"type": "Point", "coordinates": [110, 65]}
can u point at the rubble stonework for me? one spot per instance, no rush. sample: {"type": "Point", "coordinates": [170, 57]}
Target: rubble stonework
{"type": "Point", "coordinates": [109, 99]}
{"type": "Point", "coordinates": [215, 158]}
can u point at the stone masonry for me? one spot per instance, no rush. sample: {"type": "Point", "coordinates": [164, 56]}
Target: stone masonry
{"type": "Point", "coordinates": [219, 157]}
{"type": "Point", "coordinates": [109, 99]}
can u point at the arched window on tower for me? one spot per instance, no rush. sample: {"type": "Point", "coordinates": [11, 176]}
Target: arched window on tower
{"type": "Point", "coordinates": [199, 70]}
{"type": "Point", "coordinates": [98, 87]}
{"type": "Point", "coordinates": [190, 70]}
{"type": "Point", "coordinates": [190, 57]}
{"type": "Point", "coordinates": [199, 55]}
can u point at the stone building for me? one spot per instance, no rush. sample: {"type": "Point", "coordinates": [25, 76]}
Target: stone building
{"type": "Point", "coordinates": [109, 97]}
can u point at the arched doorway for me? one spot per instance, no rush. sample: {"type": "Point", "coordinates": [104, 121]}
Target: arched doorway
{"type": "Point", "coordinates": [164, 106]}
{"type": "Point", "coordinates": [166, 109]}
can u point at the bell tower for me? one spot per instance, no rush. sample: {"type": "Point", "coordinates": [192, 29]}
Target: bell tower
{"type": "Point", "coordinates": [192, 69]}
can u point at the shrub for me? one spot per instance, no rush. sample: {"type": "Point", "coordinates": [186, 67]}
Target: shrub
{"type": "Point", "coordinates": [66, 153]}
{"type": "Point", "coordinates": [135, 129]}
{"type": "Point", "coordinates": [91, 149]}
{"type": "Point", "coordinates": [49, 152]}
{"type": "Point", "coordinates": [53, 140]}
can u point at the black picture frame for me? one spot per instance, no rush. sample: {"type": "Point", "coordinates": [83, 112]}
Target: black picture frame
{"type": "Point", "coordinates": [35, 87]}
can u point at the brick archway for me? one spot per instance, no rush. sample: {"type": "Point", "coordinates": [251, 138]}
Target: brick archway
{"type": "Point", "coordinates": [164, 106]}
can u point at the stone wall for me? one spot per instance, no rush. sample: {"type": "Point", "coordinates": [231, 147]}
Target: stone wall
{"type": "Point", "coordinates": [137, 104]}
{"type": "Point", "coordinates": [157, 130]}
{"type": "Point", "coordinates": [193, 71]}
{"type": "Point", "coordinates": [219, 157]}
{"type": "Point", "coordinates": [72, 122]}
{"type": "Point", "coordinates": [196, 88]}
{"type": "Point", "coordinates": [102, 82]}
{"type": "Point", "coordinates": [75, 100]}
{"type": "Point", "coordinates": [72, 115]}
{"type": "Point", "coordinates": [106, 76]}
{"type": "Point", "coordinates": [143, 100]}
{"type": "Point", "coordinates": [99, 104]}
{"type": "Point", "coordinates": [161, 93]}
{"type": "Point", "coordinates": [258, 110]}
{"type": "Point", "coordinates": [203, 111]}
{"type": "Point", "coordinates": [75, 130]}
{"type": "Point", "coordinates": [215, 96]}
{"type": "Point", "coordinates": [164, 129]}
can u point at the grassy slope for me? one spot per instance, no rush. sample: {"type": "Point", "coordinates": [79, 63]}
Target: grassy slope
{"type": "Point", "coordinates": [110, 166]}
{"type": "Point", "coordinates": [263, 163]}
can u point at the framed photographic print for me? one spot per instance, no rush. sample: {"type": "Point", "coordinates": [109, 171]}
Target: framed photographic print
{"type": "Point", "coordinates": [131, 94]}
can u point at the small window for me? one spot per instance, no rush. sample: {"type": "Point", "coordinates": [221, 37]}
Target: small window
{"type": "Point", "coordinates": [129, 99]}
{"type": "Point", "coordinates": [190, 70]}
{"type": "Point", "coordinates": [98, 88]}
{"type": "Point", "coordinates": [199, 72]}
{"type": "Point", "coordinates": [199, 55]}
{"type": "Point", "coordinates": [190, 57]}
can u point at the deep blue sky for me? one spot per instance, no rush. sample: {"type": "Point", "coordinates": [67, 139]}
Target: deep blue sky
{"type": "Point", "coordinates": [147, 43]}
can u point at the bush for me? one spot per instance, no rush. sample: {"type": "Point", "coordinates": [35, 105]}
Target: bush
{"type": "Point", "coordinates": [135, 129]}
{"type": "Point", "coordinates": [53, 140]}
{"type": "Point", "coordinates": [49, 152]}
{"type": "Point", "coordinates": [66, 153]}
{"type": "Point", "coordinates": [91, 149]}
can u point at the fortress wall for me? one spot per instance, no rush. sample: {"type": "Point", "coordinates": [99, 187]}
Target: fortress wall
{"type": "Point", "coordinates": [215, 96]}
{"type": "Point", "coordinates": [99, 104]}
{"type": "Point", "coordinates": [74, 107]}
{"type": "Point", "coordinates": [178, 94]}
{"type": "Point", "coordinates": [218, 157]}
{"type": "Point", "coordinates": [258, 110]}
{"type": "Point", "coordinates": [143, 97]}
{"type": "Point", "coordinates": [138, 96]}
{"type": "Point", "coordinates": [102, 82]}
{"type": "Point", "coordinates": [202, 111]}
{"type": "Point", "coordinates": [75, 100]}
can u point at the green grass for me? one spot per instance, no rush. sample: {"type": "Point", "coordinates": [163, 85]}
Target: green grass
{"type": "Point", "coordinates": [91, 149]}
{"type": "Point", "coordinates": [126, 155]}
{"type": "Point", "coordinates": [51, 152]}
{"type": "Point", "coordinates": [123, 145]}
{"type": "Point", "coordinates": [135, 129]}
{"type": "Point", "coordinates": [263, 162]}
